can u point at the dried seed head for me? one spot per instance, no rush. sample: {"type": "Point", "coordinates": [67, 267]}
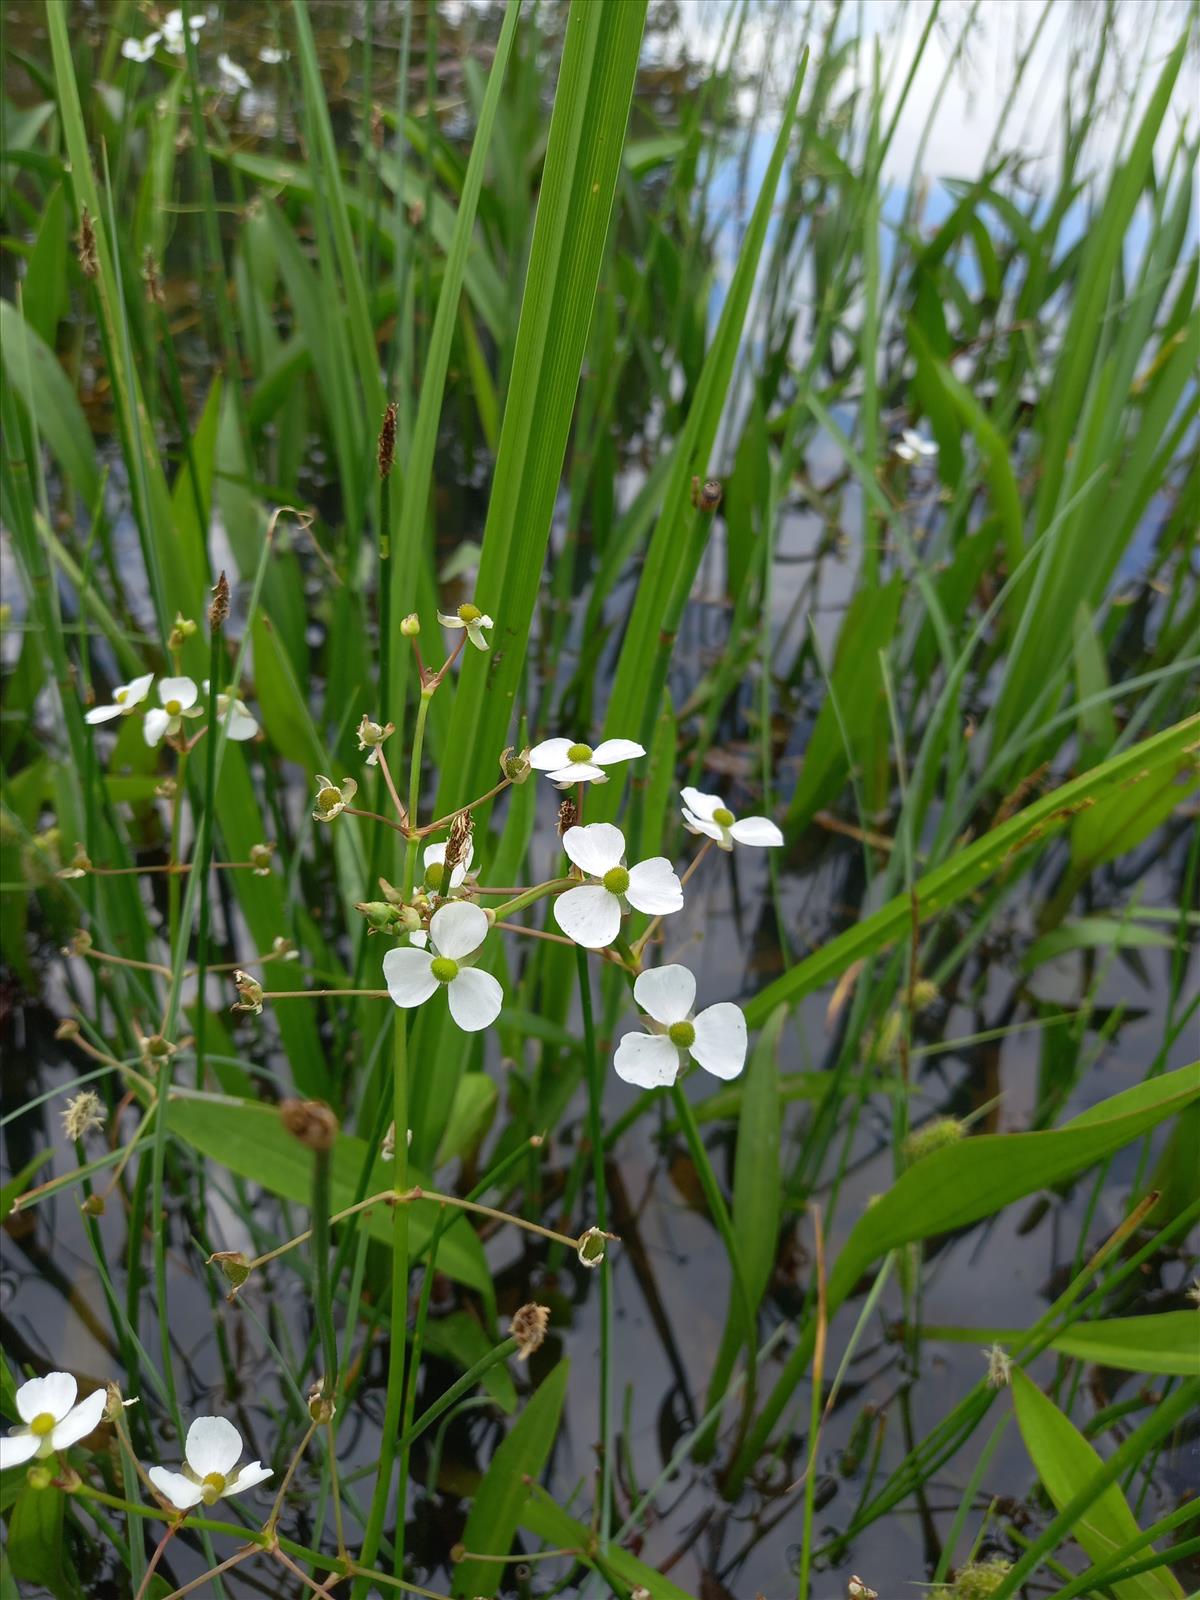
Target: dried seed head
{"type": "Point", "coordinates": [706, 496]}
{"type": "Point", "coordinates": [250, 994]}
{"type": "Point", "coordinates": [856, 1589]}
{"type": "Point", "coordinates": [528, 1328]}
{"type": "Point", "coordinates": [387, 440]}
{"type": "Point", "coordinates": [999, 1372]}
{"type": "Point", "coordinates": [459, 842]}
{"type": "Point", "coordinates": [568, 816]}
{"type": "Point", "coordinates": [933, 1135]}
{"type": "Point", "coordinates": [219, 609]}
{"type": "Point", "coordinates": [85, 240]}
{"type": "Point", "coordinates": [312, 1122]}
{"type": "Point", "coordinates": [979, 1580]}
{"type": "Point", "coordinates": [83, 1114]}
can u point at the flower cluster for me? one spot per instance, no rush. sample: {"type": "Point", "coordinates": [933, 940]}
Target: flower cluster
{"type": "Point", "coordinates": [178, 702]}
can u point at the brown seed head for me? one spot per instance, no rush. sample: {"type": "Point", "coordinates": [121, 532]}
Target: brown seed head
{"type": "Point", "coordinates": [219, 609]}
{"type": "Point", "coordinates": [528, 1328]}
{"type": "Point", "coordinates": [387, 440]}
{"type": "Point", "coordinates": [150, 277]}
{"type": "Point", "coordinates": [310, 1121]}
{"type": "Point", "coordinates": [85, 240]}
{"type": "Point", "coordinates": [568, 816]}
{"type": "Point", "coordinates": [459, 843]}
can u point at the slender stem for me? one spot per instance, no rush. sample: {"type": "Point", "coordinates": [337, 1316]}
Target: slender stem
{"type": "Point", "coordinates": [176, 823]}
{"type": "Point", "coordinates": [176, 869]}
{"type": "Point", "coordinates": [168, 1535]}
{"type": "Point", "coordinates": [385, 590]}
{"type": "Point", "coordinates": [456, 1390]}
{"type": "Point", "coordinates": [414, 787]}
{"type": "Point", "coordinates": [657, 923]}
{"type": "Point", "coordinates": [231, 1561]}
{"type": "Point", "coordinates": [324, 1291]}
{"type": "Point", "coordinates": [595, 1078]}
{"type": "Point", "coordinates": [444, 822]}
{"type": "Point", "coordinates": [375, 816]}
{"type": "Point", "coordinates": [538, 892]}
{"type": "Point", "coordinates": [322, 994]}
{"type": "Point", "coordinates": [331, 1443]}
{"type": "Point", "coordinates": [814, 1416]}
{"type": "Point", "coordinates": [277, 1504]}
{"type": "Point", "coordinates": [204, 844]}
{"type": "Point", "coordinates": [390, 785]}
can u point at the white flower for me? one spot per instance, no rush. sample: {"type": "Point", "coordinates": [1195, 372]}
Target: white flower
{"type": "Point", "coordinates": [172, 30]}
{"type": "Point", "coordinates": [332, 798]}
{"type": "Point", "coordinates": [270, 55]}
{"type": "Point", "coordinates": [716, 1038]}
{"type": "Point", "coordinates": [233, 76]}
{"type": "Point", "coordinates": [567, 762]}
{"type": "Point", "coordinates": [211, 1453]}
{"type": "Point", "coordinates": [456, 932]}
{"type": "Point", "coordinates": [52, 1420]}
{"type": "Point", "coordinates": [435, 857]}
{"type": "Point", "coordinates": [913, 446]}
{"type": "Point", "coordinates": [241, 724]}
{"type": "Point", "coordinates": [140, 49]}
{"type": "Point", "coordinates": [178, 696]}
{"type": "Point", "coordinates": [125, 697]}
{"type": "Point", "coordinates": [591, 914]}
{"type": "Point", "coordinates": [473, 620]}
{"type": "Point", "coordinates": [708, 814]}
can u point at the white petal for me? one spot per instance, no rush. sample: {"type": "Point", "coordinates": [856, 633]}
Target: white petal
{"type": "Point", "coordinates": [230, 69]}
{"type": "Point", "coordinates": [16, 1448]}
{"type": "Point", "coordinates": [252, 1473]}
{"type": "Point", "coordinates": [720, 1042]}
{"type": "Point", "coordinates": [654, 887]}
{"type": "Point", "coordinates": [701, 805]}
{"type": "Point", "coordinates": [648, 1060]}
{"type": "Point", "coordinates": [610, 750]}
{"type": "Point", "coordinates": [241, 726]}
{"type": "Point", "coordinates": [696, 824]}
{"type": "Point", "coordinates": [140, 49]}
{"type": "Point", "coordinates": [476, 635]}
{"type": "Point", "coordinates": [55, 1393]}
{"type": "Point", "coordinates": [666, 993]}
{"type": "Point", "coordinates": [595, 848]}
{"type": "Point", "coordinates": [450, 622]}
{"type": "Point", "coordinates": [550, 753]}
{"type": "Point", "coordinates": [756, 830]}
{"type": "Point", "coordinates": [435, 855]}
{"type": "Point", "coordinates": [156, 724]}
{"type": "Point", "coordinates": [589, 915]}
{"type": "Point", "coordinates": [577, 772]}
{"type": "Point", "coordinates": [173, 1486]}
{"type": "Point", "coordinates": [181, 689]}
{"type": "Point", "coordinates": [136, 690]}
{"type": "Point", "coordinates": [475, 999]}
{"type": "Point", "coordinates": [420, 939]}
{"type": "Point", "coordinates": [213, 1444]}
{"type": "Point", "coordinates": [458, 929]}
{"type": "Point", "coordinates": [409, 976]}
{"type": "Point", "coordinates": [80, 1420]}
{"type": "Point", "coordinates": [102, 714]}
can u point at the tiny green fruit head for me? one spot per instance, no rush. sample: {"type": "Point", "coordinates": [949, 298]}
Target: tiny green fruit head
{"type": "Point", "coordinates": [443, 968]}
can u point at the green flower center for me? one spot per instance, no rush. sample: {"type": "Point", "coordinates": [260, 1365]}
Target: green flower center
{"type": "Point", "coordinates": [444, 969]}
{"type": "Point", "coordinates": [682, 1035]}
{"type": "Point", "coordinates": [580, 752]}
{"type": "Point", "coordinates": [723, 817]}
{"type": "Point", "coordinates": [173, 708]}
{"type": "Point", "coordinates": [469, 613]}
{"type": "Point", "coordinates": [213, 1486]}
{"type": "Point", "coordinates": [328, 798]}
{"type": "Point", "coordinates": [120, 697]}
{"type": "Point", "coordinates": [43, 1424]}
{"type": "Point", "coordinates": [434, 874]}
{"type": "Point", "coordinates": [616, 880]}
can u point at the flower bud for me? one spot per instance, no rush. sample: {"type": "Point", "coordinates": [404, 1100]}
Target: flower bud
{"type": "Point", "coordinates": [410, 627]}
{"type": "Point", "coordinates": [250, 994]}
{"type": "Point", "coordinates": [93, 1206]}
{"type": "Point", "coordinates": [283, 949]}
{"type": "Point", "coordinates": [381, 917]}
{"type": "Point", "coordinates": [233, 1265]}
{"type": "Point", "coordinates": [79, 866]}
{"type": "Point", "coordinates": [312, 1122]}
{"type": "Point", "coordinates": [999, 1372]}
{"type": "Point", "coordinates": [706, 496]}
{"type": "Point", "coordinates": [320, 1407]}
{"type": "Point", "coordinates": [590, 1246]}
{"type": "Point", "coordinates": [528, 1328]}
{"type": "Point", "coordinates": [390, 893]}
{"type": "Point", "coordinates": [39, 1476]}
{"type": "Point", "coordinates": [260, 859]}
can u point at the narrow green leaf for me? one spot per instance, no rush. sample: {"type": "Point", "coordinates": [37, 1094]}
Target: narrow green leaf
{"type": "Point", "coordinates": [1167, 1342]}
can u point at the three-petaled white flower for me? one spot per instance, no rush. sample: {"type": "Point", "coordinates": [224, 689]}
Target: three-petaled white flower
{"type": "Point", "coordinates": [232, 76]}
{"type": "Point", "coordinates": [473, 620]}
{"type": "Point", "coordinates": [125, 697]}
{"type": "Point", "coordinates": [456, 932]}
{"type": "Point", "coordinates": [178, 697]}
{"type": "Point", "coordinates": [241, 725]}
{"type": "Point", "coordinates": [210, 1466]}
{"type": "Point", "coordinates": [708, 814]}
{"type": "Point", "coordinates": [715, 1038]}
{"type": "Point", "coordinates": [591, 914]}
{"type": "Point", "coordinates": [140, 49]}
{"type": "Point", "coordinates": [170, 35]}
{"type": "Point", "coordinates": [435, 869]}
{"type": "Point", "coordinates": [50, 1418]}
{"type": "Point", "coordinates": [913, 446]}
{"type": "Point", "coordinates": [566, 762]}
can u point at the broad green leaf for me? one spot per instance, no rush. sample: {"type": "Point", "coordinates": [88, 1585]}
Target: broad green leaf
{"type": "Point", "coordinates": [1065, 1462]}
{"type": "Point", "coordinates": [471, 1114]}
{"type": "Point", "coordinates": [957, 1185]}
{"type": "Point", "coordinates": [36, 1552]}
{"type": "Point", "coordinates": [496, 1509]}
{"type": "Point", "coordinates": [1167, 1342]}
{"type": "Point", "coordinates": [33, 370]}
{"type": "Point", "coordinates": [1139, 769]}
{"type": "Point", "coordinates": [250, 1140]}
{"type": "Point", "coordinates": [560, 1530]}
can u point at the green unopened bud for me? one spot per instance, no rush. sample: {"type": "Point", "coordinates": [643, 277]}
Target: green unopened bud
{"type": "Point", "coordinates": [410, 627]}
{"type": "Point", "coordinates": [260, 859]}
{"type": "Point", "coordinates": [931, 1136]}
{"type": "Point", "coordinates": [381, 917]}
{"type": "Point", "coordinates": [320, 1407]}
{"type": "Point", "coordinates": [93, 1206]}
{"type": "Point", "coordinates": [39, 1476]}
{"type": "Point", "coordinates": [157, 1047]}
{"type": "Point", "coordinates": [925, 993]}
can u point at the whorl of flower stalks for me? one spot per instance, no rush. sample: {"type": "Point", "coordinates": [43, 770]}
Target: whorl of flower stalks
{"type": "Point", "coordinates": [312, 1122]}
{"type": "Point", "coordinates": [528, 1328]}
{"type": "Point", "coordinates": [387, 440]}
{"type": "Point", "coordinates": [219, 609]}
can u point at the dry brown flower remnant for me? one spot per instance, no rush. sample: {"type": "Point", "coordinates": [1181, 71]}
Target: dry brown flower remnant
{"type": "Point", "coordinates": [528, 1328]}
{"type": "Point", "coordinates": [312, 1122]}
